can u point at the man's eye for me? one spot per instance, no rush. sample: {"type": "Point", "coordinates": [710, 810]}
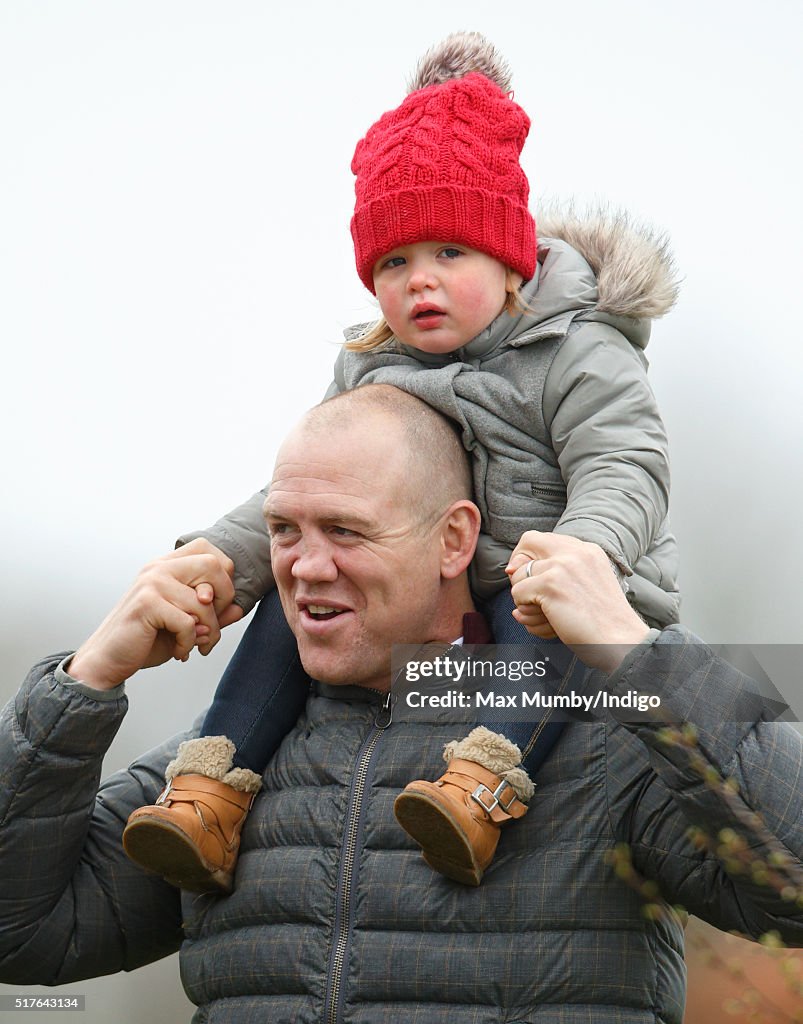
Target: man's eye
{"type": "Point", "coordinates": [342, 531]}
{"type": "Point", "coordinates": [277, 529]}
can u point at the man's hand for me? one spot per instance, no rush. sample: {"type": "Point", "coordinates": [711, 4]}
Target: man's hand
{"type": "Point", "coordinates": [176, 602]}
{"type": "Point", "coordinates": [571, 592]}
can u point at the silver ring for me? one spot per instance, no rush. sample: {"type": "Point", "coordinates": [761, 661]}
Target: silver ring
{"type": "Point", "coordinates": [528, 568]}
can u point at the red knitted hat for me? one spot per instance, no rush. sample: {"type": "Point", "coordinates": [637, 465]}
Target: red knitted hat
{"type": "Point", "coordinates": [444, 166]}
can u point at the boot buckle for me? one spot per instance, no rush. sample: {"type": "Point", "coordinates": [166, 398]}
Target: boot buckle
{"type": "Point", "coordinates": [165, 792]}
{"type": "Point", "coordinates": [496, 797]}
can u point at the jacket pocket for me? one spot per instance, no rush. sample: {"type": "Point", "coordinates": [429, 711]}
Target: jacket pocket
{"type": "Point", "coordinates": [553, 492]}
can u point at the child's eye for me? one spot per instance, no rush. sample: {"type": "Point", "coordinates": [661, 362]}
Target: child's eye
{"type": "Point", "coordinates": [451, 253]}
{"type": "Point", "coordinates": [394, 261]}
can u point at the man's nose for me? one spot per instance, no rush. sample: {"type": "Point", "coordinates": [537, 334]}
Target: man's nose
{"type": "Point", "coordinates": [314, 562]}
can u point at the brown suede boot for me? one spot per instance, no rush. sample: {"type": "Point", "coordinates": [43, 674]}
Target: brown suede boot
{"type": "Point", "coordinates": [456, 820]}
{"type": "Point", "coordinates": [191, 835]}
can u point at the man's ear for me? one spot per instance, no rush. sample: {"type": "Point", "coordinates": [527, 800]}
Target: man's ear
{"type": "Point", "coordinates": [461, 527]}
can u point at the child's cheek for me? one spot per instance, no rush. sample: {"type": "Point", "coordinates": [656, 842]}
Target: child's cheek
{"type": "Point", "coordinates": [388, 303]}
{"type": "Point", "coordinates": [475, 300]}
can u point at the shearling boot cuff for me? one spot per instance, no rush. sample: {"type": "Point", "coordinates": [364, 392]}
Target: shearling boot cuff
{"type": "Point", "coordinates": [246, 781]}
{"type": "Point", "coordinates": [496, 753]}
{"type": "Point", "coordinates": [212, 756]}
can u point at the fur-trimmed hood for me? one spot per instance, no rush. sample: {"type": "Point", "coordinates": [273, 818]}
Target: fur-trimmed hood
{"type": "Point", "coordinates": [599, 265]}
{"type": "Point", "coordinates": [635, 271]}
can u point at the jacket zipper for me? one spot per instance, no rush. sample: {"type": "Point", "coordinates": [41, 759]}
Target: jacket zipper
{"type": "Point", "coordinates": [549, 491]}
{"type": "Point", "coordinates": [348, 862]}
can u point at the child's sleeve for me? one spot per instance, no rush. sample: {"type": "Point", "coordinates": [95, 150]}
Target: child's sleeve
{"type": "Point", "coordinates": [243, 536]}
{"type": "Point", "coordinates": [610, 443]}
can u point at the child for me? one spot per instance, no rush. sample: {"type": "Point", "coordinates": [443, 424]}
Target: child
{"type": "Point", "coordinates": [536, 354]}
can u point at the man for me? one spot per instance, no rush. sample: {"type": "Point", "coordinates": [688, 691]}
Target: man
{"type": "Point", "coordinates": [334, 915]}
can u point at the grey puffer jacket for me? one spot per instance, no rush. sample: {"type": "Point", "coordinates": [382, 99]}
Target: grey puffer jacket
{"type": "Point", "coordinates": [555, 408]}
{"type": "Point", "coordinates": [335, 917]}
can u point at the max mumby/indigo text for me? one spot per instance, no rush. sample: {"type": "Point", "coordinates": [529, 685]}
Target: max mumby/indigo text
{"type": "Point", "coordinates": [601, 700]}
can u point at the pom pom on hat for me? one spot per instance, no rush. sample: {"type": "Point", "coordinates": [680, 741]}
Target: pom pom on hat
{"type": "Point", "coordinates": [455, 57]}
{"type": "Point", "coordinates": [444, 165]}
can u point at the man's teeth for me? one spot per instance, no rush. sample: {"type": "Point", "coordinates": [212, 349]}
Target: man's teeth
{"type": "Point", "coordinates": [321, 609]}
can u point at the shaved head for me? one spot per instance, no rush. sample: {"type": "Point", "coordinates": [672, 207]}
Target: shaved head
{"type": "Point", "coordinates": [438, 468]}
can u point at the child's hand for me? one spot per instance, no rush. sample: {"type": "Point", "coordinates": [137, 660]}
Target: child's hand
{"type": "Point", "coordinates": [226, 615]}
